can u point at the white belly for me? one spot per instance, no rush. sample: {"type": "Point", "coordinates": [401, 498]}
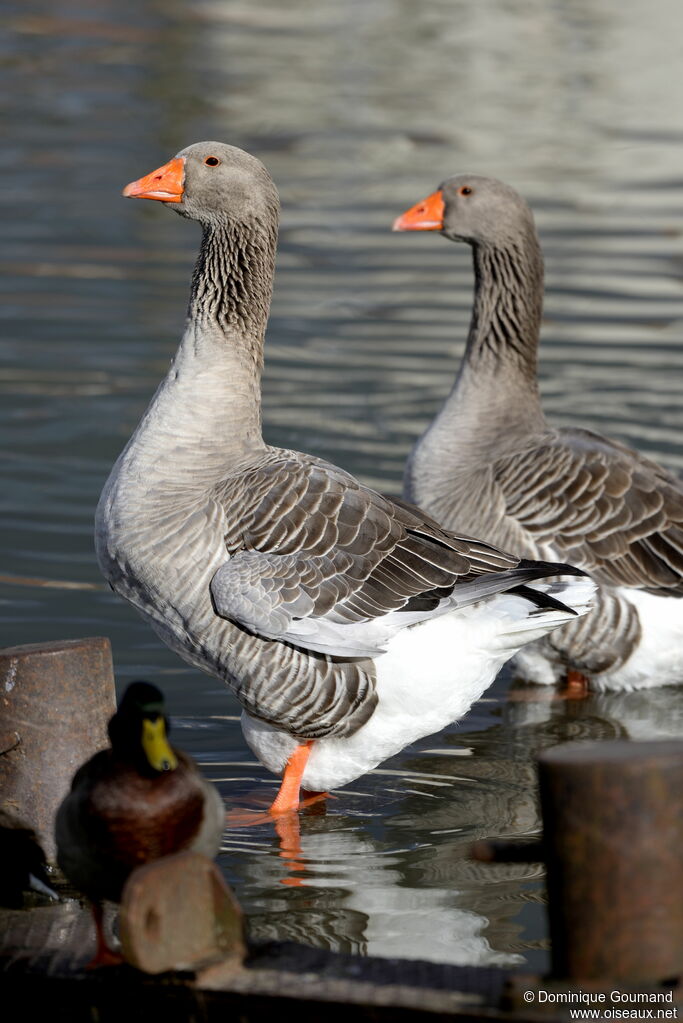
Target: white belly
{"type": "Point", "coordinates": [658, 658]}
{"type": "Point", "coordinates": [430, 676]}
{"type": "Point", "coordinates": [656, 661]}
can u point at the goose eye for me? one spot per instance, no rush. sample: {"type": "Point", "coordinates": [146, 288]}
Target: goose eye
{"type": "Point", "coordinates": [212, 161]}
{"type": "Point", "coordinates": [465, 190]}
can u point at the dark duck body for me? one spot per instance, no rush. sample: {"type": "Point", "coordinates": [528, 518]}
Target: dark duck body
{"type": "Point", "coordinates": [23, 866]}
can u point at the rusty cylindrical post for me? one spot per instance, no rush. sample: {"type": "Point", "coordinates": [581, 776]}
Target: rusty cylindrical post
{"type": "Point", "coordinates": [55, 702]}
{"type": "Point", "coordinates": [613, 830]}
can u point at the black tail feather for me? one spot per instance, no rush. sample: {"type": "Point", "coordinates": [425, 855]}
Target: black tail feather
{"type": "Point", "coordinates": [543, 600]}
{"type": "Point", "coordinates": [542, 569]}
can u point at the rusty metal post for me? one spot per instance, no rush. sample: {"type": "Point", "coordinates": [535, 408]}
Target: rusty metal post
{"type": "Point", "coordinates": [55, 702]}
{"type": "Point", "coordinates": [613, 834]}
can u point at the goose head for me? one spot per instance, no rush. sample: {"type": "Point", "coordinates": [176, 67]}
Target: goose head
{"type": "Point", "coordinates": [472, 209]}
{"type": "Point", "coordinates": [213, 183]}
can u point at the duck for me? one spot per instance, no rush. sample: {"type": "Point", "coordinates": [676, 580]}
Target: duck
{"type": "Point", "coordinates": [24, 865]}
{"type": "Point", "coordinates": [134, 802]}
{"type": "Point", "coordinates": [491, 462]}
{"type": "Point", "coordinates": [346, 623]}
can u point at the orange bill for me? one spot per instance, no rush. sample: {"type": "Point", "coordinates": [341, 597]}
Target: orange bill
{"type": "Point", "coordinates": [165, 184]}
{"type": "Point", "coordinates": [424, 216]}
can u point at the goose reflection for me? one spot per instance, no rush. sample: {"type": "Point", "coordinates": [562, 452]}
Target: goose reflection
{"type": "Point", "coordinates": [345, 891]}
{"type": "Point", "coordinates": [638, 715]}
{"type": "Point", "coordinates": [385, 870]}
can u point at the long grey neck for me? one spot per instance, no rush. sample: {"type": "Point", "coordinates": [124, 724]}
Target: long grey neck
{"type": "Point", "coordinates": [206, 416]}
{"type": "Point", "coordinates": [232, 283]}
{"type": "Point", "coordinates": [494, 405]}
{"type": "Point", "coordinates": [506, 318]}
{"type": "Point", "coordinates": [496, 389]}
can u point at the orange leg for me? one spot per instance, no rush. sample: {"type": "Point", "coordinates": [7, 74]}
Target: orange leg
{"type": "Point", "coordinates": [104, 956]}
{"type": "Point", "coordinates": [576, 685]}
{"type": "Point", "coordinates": [289, 833]}
{"type": "Point", "coordinates": [288, 797]}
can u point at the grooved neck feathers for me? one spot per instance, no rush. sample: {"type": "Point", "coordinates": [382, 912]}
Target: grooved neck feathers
{"type": "Point", "coordinates": [508, 304]}
{"type": "Point", "coordinates": [232, 281]}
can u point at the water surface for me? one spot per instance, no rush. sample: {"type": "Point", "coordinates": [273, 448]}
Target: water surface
{"type": "Point", "coordinates": [359, 110]}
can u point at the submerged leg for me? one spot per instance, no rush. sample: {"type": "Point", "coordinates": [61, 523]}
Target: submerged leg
{"type": "Point", "coordinates": [313, 794]}
{"type": "Point", "coordinates": [289, 832]}
{"type": "Point", "coordinates": [288, 797]}
{"type": "Point", "coordinates": [104, 956]}
{"type": "Point", "coordinates": [576, 685]}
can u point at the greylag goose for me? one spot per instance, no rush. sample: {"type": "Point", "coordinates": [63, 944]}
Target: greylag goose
{"type": "Point", "coordinates": [492, 464]}
{"type": "Point", "coordinates": [132, 803]}
{"type": "Point", "coordinates": [348, 625]}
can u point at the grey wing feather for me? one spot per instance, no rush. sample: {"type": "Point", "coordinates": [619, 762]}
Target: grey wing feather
{"type": "Point", "coordinates": [333, 567]}
{"type": "Point", "coordinates": [242, 590]}
{"type": "Point", "coordinates": [331, 570]}
{"type": "Point", "coordinates": [601, 506]}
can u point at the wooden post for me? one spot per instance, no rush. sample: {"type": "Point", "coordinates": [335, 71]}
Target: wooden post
{"type": "Point", "coordinates": [177, 913]}
{"type": "Point", "coordinates": [613, 836]}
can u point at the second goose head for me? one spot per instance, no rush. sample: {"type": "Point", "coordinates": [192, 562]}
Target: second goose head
{"type": "Point", "coordinates": [473, 209]}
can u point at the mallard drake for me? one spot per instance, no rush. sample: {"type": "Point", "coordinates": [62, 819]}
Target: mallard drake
{"type": "Point", "coordinates": [347, 624]}
{"type": "Point", "coordinates": [134, 802]}
{"type": "Point", "coordinates": [491, 464]}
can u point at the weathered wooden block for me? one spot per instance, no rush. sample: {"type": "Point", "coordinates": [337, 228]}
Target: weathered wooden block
{"type": "Point", "coordinates": [177, 913]}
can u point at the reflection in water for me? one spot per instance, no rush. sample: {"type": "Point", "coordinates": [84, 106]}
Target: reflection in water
{"type": "Point", "coordinates": [641, 715]}
{"type": "Point", "coordinates": [578, 106]}
{"type": "Point", "coordinates": [385, 870]}
{"type": "Point", "coordinates": [381, 914]}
